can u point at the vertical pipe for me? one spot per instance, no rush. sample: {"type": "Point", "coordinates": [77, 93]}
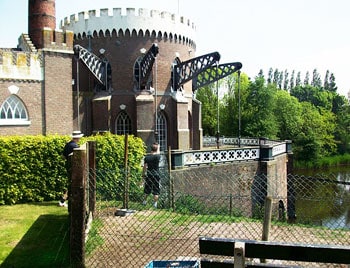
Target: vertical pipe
{"type": "Point", "coordinates": [156, 134]}
{"type": "Point", "coordinates": [218, 113]}
{"type": "Point", "coordinates": [78, 93]}
{"type": "Point", "coordinates": [239, 108]}
{"type": "Point", "coordinates": [126, 178]}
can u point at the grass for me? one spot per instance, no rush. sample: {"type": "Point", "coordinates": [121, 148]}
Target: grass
{"type": "Point", "coordinates": [325, 162]}
{"type": "Point", "coordinates": [94, 239]}
{"type": "Point", "coordinates": [34, 235]}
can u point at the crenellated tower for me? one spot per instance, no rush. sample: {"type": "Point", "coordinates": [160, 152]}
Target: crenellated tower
{"type": "Point", "coordinates": [159, 113]}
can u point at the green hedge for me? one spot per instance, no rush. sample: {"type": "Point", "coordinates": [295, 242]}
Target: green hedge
{"type": "Point", "coordinates": [32, 168]}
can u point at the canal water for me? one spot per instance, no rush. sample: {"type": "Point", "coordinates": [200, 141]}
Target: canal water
{"type": "Point", "coordinates": [324, 197]}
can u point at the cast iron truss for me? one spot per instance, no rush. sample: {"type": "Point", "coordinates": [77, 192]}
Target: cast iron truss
{"type": "Point", "coordinates": [98, 66]}
{"type": "Point", "coordinates": [183, 72]}
{"type": "Point", "coordinates": [214, 73]}
{"type": "Point", "coordinates": [143, 68]}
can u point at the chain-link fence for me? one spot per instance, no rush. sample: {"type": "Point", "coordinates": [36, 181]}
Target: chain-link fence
{"type": "Point", "coordinates": [126, 232]}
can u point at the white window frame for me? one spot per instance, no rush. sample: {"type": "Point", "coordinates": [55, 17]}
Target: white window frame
{"type": "Point", "coordinates": [9, 108]}
{"type": "Point", "coordinates": [126, 124]}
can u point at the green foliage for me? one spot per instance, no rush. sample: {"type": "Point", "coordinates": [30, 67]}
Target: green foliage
{"type": "Point", "coordinates": [33, 168]}
{"type": "Point", "coordinates": [312, 115]}
{"type": "Point", "coordinates": [94, 238]}
{"type": "Point", "coordinates": [111, 165]}
{"type": "Point", "coordinates": [189, 204]}
{"type": "Point", "coordinates": [260, 121]}
{"type": "Point", "coordinates": [208, 98]}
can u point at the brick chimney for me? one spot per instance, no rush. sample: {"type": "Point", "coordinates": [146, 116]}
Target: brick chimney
{"type": "Point", "coordinates": [41, 14]}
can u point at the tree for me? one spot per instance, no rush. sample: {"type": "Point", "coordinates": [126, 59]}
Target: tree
{"type": "Point", "coordinates": [297, 80]}
{"type": "Point", "coordinates": [259, 119]}
{"type": "Point", "coordinates": [276, 76]}
{"type": "Point", "coordinates": [332, 85]}
{"type": "Point", "coordinates": [292, 78]}
{"type": "Point", "coordinates": [307, 77]}
{"type": "Point", "coordinates": [206, 95]}
{"type": "Point", "coordinates": [230, 104]}
{"type": "Point", "coordinates": [288, 115]}
{"type": "Point", "coordinates": [316, 80]}
{"type": "Point", "coordinates": [270, 76]}
{"type": "Point", "coordinates": [326, 81]}
{"type": "Point", "coordinates": [315, 139]}
{"type": "Point", "coordinates": [314, 95]}
{"type": "Point", "coordinates": [286, 80]}
{"type": "Point", "coordinates": [342, 132]}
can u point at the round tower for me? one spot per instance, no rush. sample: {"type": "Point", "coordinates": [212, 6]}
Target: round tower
{"type": "Point", "coordinates": [41, 14]}
{"type": "Point", "coordinates": [157, 114]}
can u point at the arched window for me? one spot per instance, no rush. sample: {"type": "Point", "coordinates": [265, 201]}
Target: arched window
{"type": "Point", "coordinates": [123, 124]}
{"type": "Point", "coordinates": [13, 112]}
{"type": "Point", "coordinates": [162, 128]}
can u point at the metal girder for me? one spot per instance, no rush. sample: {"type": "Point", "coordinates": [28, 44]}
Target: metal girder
{"type": "Point", "coordinates": [143, 67]}
{"type": "Point", "coordinates": [183, 72]}
{"type": "Point", "coordinates": [97, 66]}
{"type": "Point", "coordinates": [214, 73]}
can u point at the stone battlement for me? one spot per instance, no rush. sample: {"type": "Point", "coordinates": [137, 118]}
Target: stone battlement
{"type": "Point", "coordinates": [20, 65]}
{"type": "Point", "coordinates": [57, 39]}
{"type": "Point", "coordinates": [133, 19]}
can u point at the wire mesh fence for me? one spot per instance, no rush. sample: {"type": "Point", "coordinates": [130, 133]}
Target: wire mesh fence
{"type": "Point", "coordinates": [127, 232]}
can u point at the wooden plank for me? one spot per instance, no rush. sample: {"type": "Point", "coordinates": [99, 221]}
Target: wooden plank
{"type": "Point", "coordinates": [277, 250]}
{"type": "Point", "coordinates": [212, 263]}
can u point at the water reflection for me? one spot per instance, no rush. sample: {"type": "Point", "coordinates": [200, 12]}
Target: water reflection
{"type": "Point", "coordinates": [323, 197]}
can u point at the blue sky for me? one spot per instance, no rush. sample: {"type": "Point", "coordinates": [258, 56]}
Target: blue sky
{"type": "Point", "coordinates": [298, 35]}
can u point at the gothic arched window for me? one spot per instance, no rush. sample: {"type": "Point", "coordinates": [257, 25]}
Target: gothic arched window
{"type": "Point", "coordinates": [123, 124]}
{"type": "Point", "coordinates": [13, 112]}
{"type": "Point", "coordinates": [162, 128]}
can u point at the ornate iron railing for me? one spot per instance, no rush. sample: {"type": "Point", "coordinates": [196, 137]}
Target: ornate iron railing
{"type": "Point", "coordinates": [220, 156]}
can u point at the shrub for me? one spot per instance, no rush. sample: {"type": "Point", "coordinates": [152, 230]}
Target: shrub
{"type": "Point", "coordinates": [32, 168]}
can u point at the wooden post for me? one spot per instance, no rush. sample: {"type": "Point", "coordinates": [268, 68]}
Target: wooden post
{"type": "Point", "coordinates": [78, 205]}
{"type": "Point", "coordinates": [239, 255]}
{"type": "Point", "coordinates": [267, 218]}
{"type": "Point", "coordinates": [92, 176]}
{"type": "Point", "coordinates": [267, 221]}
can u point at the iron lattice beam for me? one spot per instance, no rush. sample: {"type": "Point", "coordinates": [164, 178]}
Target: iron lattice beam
{"type": "Point", "coordinates": [185, 71]}
{"type": "Point", "coordinates": [214, 73]}
{"type": "Point", "coordinates": [144, 67]}
{"type": "Point", "coordinates": [97, 66]}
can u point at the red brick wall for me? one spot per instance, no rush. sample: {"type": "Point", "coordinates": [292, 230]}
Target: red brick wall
{"type": "Point", "coordinates": [41, 13]}
{"type": "Point", "coordinates": [58, 93]}
{"type": "Point", "coordinates": [30, 94]}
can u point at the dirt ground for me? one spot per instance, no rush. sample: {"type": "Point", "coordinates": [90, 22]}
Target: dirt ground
{"type": "Point", "coordinates": [144, 236]}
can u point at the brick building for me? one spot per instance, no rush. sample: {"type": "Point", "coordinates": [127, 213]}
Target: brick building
{"type": "Point", "coordinates": [45, 88]}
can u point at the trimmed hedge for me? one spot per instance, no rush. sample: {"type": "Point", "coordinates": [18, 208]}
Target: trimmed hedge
{"type": "Point", "coordinates": [32, 168]}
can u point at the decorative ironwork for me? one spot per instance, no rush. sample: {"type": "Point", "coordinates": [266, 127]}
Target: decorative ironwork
{"type": "Point", "coordinates": [220, 156]}
{"type": "Point", "coordinates": [183, 72]}
{"type": "Point", "coordinates": [99, 67]}
{"type": "Point", "coordinates": [143, 67]}
{"type": "Point", "coordinates": [214, 73]}
{"type": "Point", "coordinates": [212, 141]}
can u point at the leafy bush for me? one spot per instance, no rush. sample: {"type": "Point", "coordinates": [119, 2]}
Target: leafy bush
{"type": "Point", "coordinates": [32, 168]}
